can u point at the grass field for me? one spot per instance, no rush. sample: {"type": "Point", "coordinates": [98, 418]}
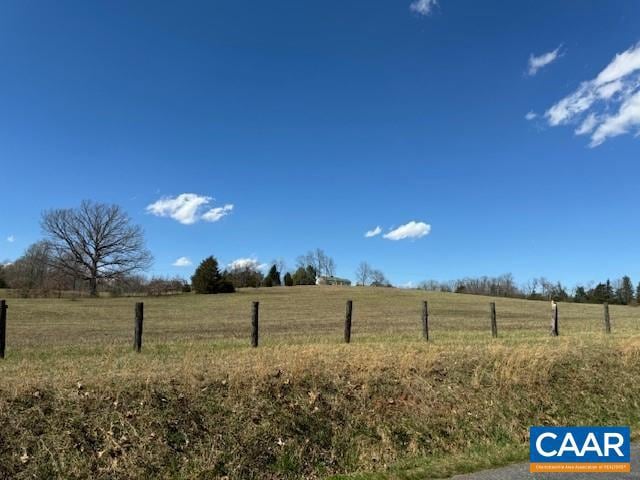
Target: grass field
{"type": "Point", "coordinates": [76, 402]}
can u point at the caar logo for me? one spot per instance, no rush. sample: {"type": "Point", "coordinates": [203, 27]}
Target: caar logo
{"type": "Point", "coordinates": [579, 449]}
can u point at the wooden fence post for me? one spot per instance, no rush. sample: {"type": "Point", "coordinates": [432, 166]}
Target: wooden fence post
{"type": "Point", "coordinates": [606, 318]}
{"type": "Point", "coordinates": [347, 322]}
{"type": "Point", "coordinates": [137, 339]}
{"type": "Point", "coordinates": [554, 319]}
{"type": "Point", "coordinates": [425, 320]}
{"type": "Point", "coordinates": [3, 327]}
{"type": "Point", "coordinates": [494, 322]}
{"type": "Point", "coordinates": [255, 314]}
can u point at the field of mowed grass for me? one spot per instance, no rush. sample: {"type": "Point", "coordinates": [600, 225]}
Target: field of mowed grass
{"type": "Point", "coordinates": [198, 402]}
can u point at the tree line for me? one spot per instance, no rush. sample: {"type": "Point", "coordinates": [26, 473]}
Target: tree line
{"type": "Point", "coordinates": [620, 291]}
{"type": "Point", "coordinates": [209, 278]}
{"type": "Point", "coordinates": [96, 247]}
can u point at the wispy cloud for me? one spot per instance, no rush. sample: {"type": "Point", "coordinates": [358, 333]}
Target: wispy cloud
{"type": "Point", "coordinates": [409, 230]}
{"type": "Point", "coordinates": [606, 106]}
{"type": "Point", "coordinates": [587, 125]}
{"type": "Point", "coordinates": [246, 263]}
{"type": "Point", "coordinates": [372, 233]}
{"type": "Point", "coordinates": [217, 213]}
{"type": "Point", "coordinates": [531, 115]}
{"type": "Point", "coordinates": [182, 262]}
{"type": "Point", "coordinates": [423, 7]}
{"type": "Point", "coordinates": [11, 239]}
{"type": "Point", "coordinates": [187, 208]}
{"type": "Point", "coordinates": [541, 61]}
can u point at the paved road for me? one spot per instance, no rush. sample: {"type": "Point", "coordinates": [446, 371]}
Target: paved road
{"type": "Point", "coordinates": [521, 472]}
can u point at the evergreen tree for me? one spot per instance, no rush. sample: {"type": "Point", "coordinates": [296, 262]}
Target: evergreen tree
{"type": "Point", "coordinates": [273, 277]}
{"type": "Point", "coordinates": [598, 294]}
{"type": "Point", "coordinates": [580, 296]}
{"type": "Point", "coordinates": [304, 276]}
{"type": "Point", "coordinates": [207, 278]}
{"type": "Point", "coordinates": [288, 280]}
{"type": "Point", "coordinates": [610, 297]}
{"type": "Point", "coordinates": [625, 292]}
{"type": "Point", "coordinates": [638, 293]}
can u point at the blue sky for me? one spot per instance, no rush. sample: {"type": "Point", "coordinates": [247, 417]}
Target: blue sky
{"type": "Point", "coordinates": [297, 125]}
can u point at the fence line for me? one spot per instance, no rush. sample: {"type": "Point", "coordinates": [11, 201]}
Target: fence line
{"type": "Point", "coordinates": [255, 315]}
{"type": "Point", "coordinates": [425, 320]}
{"type": "Point", "coordinates": [347, 322]}
{"type": "Point", "coordinates": [554, 320]}
{"type": "Point", "coordinates": [137, 334]}
{"type": "Point", "coordinates": [3, 327]}
{"type": "Point", "coordinates": [606, 318]}
{"type": "Point", "coordinates": [139, 319]}
{"type": "Point", "coordinates": [494, 321]}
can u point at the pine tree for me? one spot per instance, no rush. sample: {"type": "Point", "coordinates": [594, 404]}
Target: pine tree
{"type": "Point", "coordinates": [207, 278]}
{"type": "Point", "coordinates": [304, 276]}
{"type": "Point", "coordinates": [273, 278]}
{"type": "Point", "coordinates": [609, 295]}
{"type": "Point", "coordinates": [288, 280]}
{"type": "Point", "coordinates": [580, 295]}
{"type": "Point", "coordinates": [625, 292]}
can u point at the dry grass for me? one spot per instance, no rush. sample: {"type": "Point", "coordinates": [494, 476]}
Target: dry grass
{"type": "Point", "coordinates": [298, 315]}
{"type": "Point", "coordinates": [75, 402]}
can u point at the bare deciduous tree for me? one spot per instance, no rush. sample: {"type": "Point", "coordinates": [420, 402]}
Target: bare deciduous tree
{"type": "Point", "coordinates": [363, 273]}
{"type": "Point", "coordinates": [378, 279]}
{"type": "Point", "coordinates": [95, 242]}
{"type": "Point", "coordinates": [320, 261]}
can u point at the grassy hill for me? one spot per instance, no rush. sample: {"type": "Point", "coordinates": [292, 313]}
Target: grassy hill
{"type": "Point", "coordinates": [76, 402]}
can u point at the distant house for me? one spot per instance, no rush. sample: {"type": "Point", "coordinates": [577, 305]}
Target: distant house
{"type": "Point", "coordinates": [323, 280]}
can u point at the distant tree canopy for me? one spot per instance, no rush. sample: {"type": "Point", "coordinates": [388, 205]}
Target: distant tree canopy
{"type": "Point", "coordinates": [625, 292]}
{"type": "Point", "coordinates": [363, 274]}
{"type": "Point", "coordinates": [94, 242]}
{"type": "Point", "coordinates": [208, 279]}
{"type": "Point", "coordinates": [367, 275]}
{"type": "Point", "coordinates": [620, 292]}
{"type": "Point", "coordinates": [304, 276]}
{"type": "Point", "coordinates": [378, 279]}
{"type": "Point", "coordinates": [35, 272]}
{"type": "Point", "coordinates": [272, 279]}
{"type": "Point", "coordinates": [321, 263]}
{"type": "Point", "coordinates": [3, 281]}
{"type": "Point", "coordinates": [288, 280]}
{"type": "Point", "coordinates": [245, 276]}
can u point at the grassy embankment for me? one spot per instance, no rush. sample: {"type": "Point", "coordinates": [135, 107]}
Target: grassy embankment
{"type": "Point", "coordinates": [75, 402]}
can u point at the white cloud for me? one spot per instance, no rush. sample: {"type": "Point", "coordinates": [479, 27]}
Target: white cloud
{"type": "Point", "coordinates": [423, 7]}
{"type": "Point", "coordinates": [244, 263]}
{"type": "Point", "coordinates": [587, 125]}
{"type": "Point", "coordinates": [627, 118]}
{"type": "Point", "coordinates": [182, 262]}
{"type": "Point", "coordinates": [372, 233]}
{"type": "Point", "coordinates": [540, 61]}
{"type": "Point", "coordinates": [615, 89]}
{"type": "Point", "coordinates": [217, 213]}
{"type": "Point", "coordinates": [608, 90]}
{"type": "Point", "coordinates": [412, 229]}
{"type": "Point", "coordinates": [186, 208]}
{"type": "Point", "coordinates": [11, 239]}
{"type": "Point", "coordinates": [531, 115]}
{"type": "Point", "coordinates": [622, 65]}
